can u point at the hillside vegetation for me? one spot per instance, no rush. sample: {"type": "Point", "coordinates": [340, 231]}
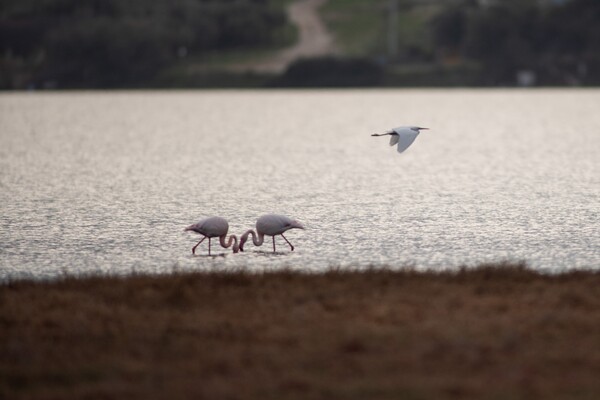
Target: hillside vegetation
{"type": "Point", "coordinates": [471, 42]}
{"type": "Point", "coordinates": [199, 43]}
{"type": "Point", "coordinates": [114, 43]}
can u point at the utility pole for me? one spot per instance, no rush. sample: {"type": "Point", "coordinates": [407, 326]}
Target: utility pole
{"type": "Point", "coordinates": [392, 34]}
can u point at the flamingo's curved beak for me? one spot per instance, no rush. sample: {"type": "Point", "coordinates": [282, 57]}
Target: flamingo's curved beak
{"type": "Point", "coordinates": [296, 224]}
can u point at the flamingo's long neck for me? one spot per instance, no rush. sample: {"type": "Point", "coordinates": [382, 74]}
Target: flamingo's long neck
{"type": "Point", "coordinates": [256, 239]}
{"type": "Point", "coordinates": [232, 240]}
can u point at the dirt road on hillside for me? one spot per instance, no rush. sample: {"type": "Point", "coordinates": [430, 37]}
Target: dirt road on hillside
{"type": "Point", "coordinates": [313, 39]}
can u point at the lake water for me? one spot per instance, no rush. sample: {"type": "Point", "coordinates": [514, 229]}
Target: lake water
{"type": "Point", "coordinates": [105, 182]}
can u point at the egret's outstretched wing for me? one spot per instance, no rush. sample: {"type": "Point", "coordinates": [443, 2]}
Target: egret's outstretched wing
{"type": "Point", "coordinates": [405, 137]}
{"type": "Point", "coordinates": [393, 139]}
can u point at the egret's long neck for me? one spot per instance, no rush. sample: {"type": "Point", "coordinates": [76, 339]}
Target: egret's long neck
{"type": "Point", "coordinates": [232, 240]}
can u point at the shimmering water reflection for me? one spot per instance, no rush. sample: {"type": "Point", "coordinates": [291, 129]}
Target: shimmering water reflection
{"type": "Point", "coordinates": [106, 182]}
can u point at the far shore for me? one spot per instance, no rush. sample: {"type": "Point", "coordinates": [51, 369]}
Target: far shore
{"type": "Point", "coordinates": [498, 331]}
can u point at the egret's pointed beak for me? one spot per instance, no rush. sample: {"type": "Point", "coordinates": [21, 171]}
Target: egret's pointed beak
{"type": "Point", "coordinates": [424, 129]}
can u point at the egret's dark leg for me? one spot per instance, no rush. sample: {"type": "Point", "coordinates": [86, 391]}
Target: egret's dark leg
{"type": "Point", "coordinates": [194, 248]}
{"type": "Point", "coordinates": [288, 242]}
{"type": "Point", "coordinates": [209, 246]}
{"type": "Point", "coordinates": [273, 243]}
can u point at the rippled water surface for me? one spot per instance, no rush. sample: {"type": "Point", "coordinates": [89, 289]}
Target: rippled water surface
{"type": "Point", "coordinates": [106, 182]}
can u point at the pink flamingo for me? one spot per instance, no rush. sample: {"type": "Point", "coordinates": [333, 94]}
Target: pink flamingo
{"type": "Point", "coordinates": [214, 227]}
{"type": "Point", "coordinates": [270, 225]}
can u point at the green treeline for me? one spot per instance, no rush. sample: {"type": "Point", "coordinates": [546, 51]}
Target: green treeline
{"type": "Point", "coordinates": [112, 43]}
{"type": "Point", "coordinates": [559, 41]}
{"type": "Point", "coordinates": [143, 43]}
{"type": "Point", "coordinates": [459, 43]}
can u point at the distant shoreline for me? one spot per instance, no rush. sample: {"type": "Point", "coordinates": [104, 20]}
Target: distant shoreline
{"type": "Point", "coordinates": [497, 267]}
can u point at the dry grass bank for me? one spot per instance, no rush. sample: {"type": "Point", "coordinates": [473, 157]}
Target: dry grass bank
{"type": "Point", "coordinates": [491, 333]}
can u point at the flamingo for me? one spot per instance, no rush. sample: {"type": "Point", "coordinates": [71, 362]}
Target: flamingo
{"type": "Point", "coordinates": [403, 136]}
{"type": "Point", "coordinates": [213, 227]}
{"type": "Point", "coordinates": [270, 225]}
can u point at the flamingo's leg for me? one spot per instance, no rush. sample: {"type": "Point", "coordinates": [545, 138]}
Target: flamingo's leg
{"type": "Point", "coordinates": [201, 240]}
{"type": "Point", "coordinates": [288, 242]}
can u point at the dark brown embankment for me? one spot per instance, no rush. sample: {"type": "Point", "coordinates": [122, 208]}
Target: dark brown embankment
{"type": "Point", "coordinates": [500, 332]}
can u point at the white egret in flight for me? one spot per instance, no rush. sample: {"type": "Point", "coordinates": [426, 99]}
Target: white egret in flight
{"type": "Point", "coordinates": [403, 136]}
